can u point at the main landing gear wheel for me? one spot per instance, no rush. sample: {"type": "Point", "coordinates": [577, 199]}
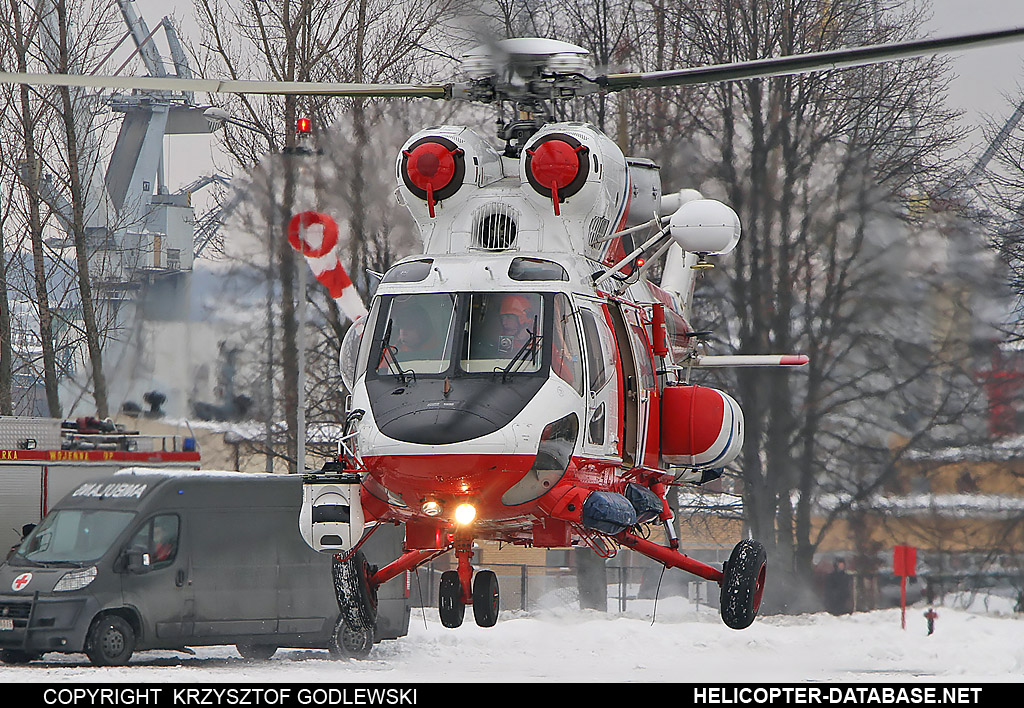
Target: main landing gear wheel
{"type": "Point", "coordinates": [743, 584]}
{"type": "Point", "coordinates": [355, 592]}
{"type": "Point", "coordinates": [449, 600]}
{"type": "Point", "coordinates": [348, 642]}
{"type": "Point", "coordinates": [485, 598]}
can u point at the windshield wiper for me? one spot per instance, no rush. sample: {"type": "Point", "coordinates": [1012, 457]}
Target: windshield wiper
{"type": "Point", "coordinates": [22, 560]}
{"type": "Point", "coordinates": [531, 345]}
{"type": "Point", "coordinates": [59, 563]}
{"type": "Point", "coordinates": [390, 354]}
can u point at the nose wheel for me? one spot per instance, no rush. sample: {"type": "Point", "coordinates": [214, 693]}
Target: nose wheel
{"type": "Point", "coordinates": [485, 598]}
{"type": "Point", "coordinates": [456, 592]}
{"type": "Point", "coordinates": [450, 605]}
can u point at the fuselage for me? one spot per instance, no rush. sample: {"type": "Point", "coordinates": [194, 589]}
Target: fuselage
{"type": "Point", "coordinates": [496, 369]}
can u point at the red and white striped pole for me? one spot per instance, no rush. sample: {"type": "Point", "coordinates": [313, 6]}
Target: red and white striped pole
{"type": "Point", "coordinates": [315, 235]}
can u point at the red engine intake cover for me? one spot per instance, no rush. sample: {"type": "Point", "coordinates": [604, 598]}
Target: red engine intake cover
{"type": "Point", "coordinates": [433, 169]}
{"type": "Point", "coordinates": [557, 167]}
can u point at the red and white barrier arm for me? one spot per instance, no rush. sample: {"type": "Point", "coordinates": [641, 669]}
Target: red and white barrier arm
{"type": "Point", "coordinates": [750, 360]}
{"type": "Point", "coordinates": [315, 235]}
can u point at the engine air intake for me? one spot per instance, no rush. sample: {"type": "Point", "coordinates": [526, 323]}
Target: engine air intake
{"type": "Point", "coordinates": [495, 227]}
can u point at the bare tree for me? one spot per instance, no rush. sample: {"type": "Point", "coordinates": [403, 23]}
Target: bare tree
{"type": "Point", "coordinates": [21, 33]}
{"type": "Point", "coordinates": [365, 40]}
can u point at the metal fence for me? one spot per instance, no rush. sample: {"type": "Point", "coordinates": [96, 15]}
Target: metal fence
{"type": "Point", "coordinates": [536, 587]}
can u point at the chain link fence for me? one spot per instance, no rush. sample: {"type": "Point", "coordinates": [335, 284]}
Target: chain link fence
{"type": "Point", "coordinates": [627, 579]}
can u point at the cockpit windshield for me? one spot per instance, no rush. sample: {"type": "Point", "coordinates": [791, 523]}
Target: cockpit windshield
{"type": "Point", "coordinates": [416, 334]}
{"type": "Point", "coordinates": [435, 334]}
{"type": "Point", "coordinates": [503, 332]}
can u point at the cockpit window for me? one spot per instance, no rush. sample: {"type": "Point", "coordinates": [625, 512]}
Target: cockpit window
{"type": "Point", "coordinates": [411, 272]}
{"type": "Point", "coordinates": [416, 334]}
{"type": "Point", "coordinates": [523, 268]}
{"type": "Point", "coordinates": [504, 331]}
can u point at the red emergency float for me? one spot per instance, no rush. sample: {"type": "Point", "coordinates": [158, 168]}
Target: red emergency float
{"type": "Point", "coordinates": [700, 427]}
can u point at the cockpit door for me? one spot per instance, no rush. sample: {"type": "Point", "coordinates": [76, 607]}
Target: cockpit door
{"type": "Point", "coordinates": [631, 393]}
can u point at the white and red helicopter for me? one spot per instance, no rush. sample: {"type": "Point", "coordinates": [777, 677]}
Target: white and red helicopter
{"type": "Point", "coordinates": [521, 379]}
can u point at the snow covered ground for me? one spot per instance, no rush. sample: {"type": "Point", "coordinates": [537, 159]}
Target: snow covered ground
{"type": "Point", "coordinates": [682, 644]}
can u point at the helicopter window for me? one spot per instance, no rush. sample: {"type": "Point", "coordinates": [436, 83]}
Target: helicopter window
{"type": "Point", "coordinates": [411, 272]}
{"type": "Point", "coordinates": [495, 227]}
{"type": "Point", "coordinates": [566, 357]}
{"type": "Point", "coordinates": [600, 354]}
{"type": "Point", "coordinates": [348, 357]}
{"type": "Point", "coordinates": [413, 334]}
{"type": "Point", "coordinates": [503, 330]}
{"type": "Point", "coordinates": [536, 269]}
{"type": "Point", "coordinates": [643, 357]}
{"type": "Point", "coordinates": [364, 342]}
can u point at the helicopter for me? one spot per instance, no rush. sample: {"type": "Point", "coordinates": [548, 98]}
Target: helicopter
{"type": "Point", "coordinates": [522, 380]}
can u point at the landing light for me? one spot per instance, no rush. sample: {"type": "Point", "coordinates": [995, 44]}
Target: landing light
{"type": "Point", "coordinates": [464, 514]}
{"type": "Point", "coordinates": [431, 508]}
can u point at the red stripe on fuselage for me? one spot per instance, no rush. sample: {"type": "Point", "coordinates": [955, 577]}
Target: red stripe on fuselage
{"type": "Point", "coordinates": [478, 479]}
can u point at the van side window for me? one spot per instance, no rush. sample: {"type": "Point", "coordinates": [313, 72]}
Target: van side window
{"type": "Point", "coordinates": [158, 538]}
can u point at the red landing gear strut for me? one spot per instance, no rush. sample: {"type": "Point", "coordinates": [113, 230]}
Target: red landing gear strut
{"type": "Point", "coordinates": [460, 588]}
{"type": "Point", "coordinates": [741, 580]}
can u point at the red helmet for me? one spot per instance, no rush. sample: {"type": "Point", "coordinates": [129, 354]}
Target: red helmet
{"type": "Point", "coordinates": [518, 305]}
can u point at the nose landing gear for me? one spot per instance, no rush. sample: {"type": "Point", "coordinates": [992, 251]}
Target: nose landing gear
{"type": "Point", "coordinates": [459, 588]}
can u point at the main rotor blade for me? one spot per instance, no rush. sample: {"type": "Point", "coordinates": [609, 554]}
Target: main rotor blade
{"type": "Point", "coordinates": [803, 63]}
{"type": "Point", "coordinates": [150, 83]}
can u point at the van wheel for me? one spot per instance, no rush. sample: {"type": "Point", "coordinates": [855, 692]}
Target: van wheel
{"type": "Point", "coordinates": [110, 641]}
{"type": "Point", "coordinates": [348, 642]}
{"type": "Point", "coordinates": [17, 656]}
{"type": "Point", "coordinates": [258, 652]}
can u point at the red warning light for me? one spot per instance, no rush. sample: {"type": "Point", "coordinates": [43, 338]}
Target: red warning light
{"type": "Point", "coordinates": [640, 262]}
{"type": "Point", "coordinates": [304, 126]}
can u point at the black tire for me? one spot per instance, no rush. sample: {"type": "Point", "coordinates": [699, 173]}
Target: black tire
{"type": "Point", "coordinates": [449, 600]}
{"type": "Point", "coordinates": [110, 642]}
{"type": "Point", "coordinates": [348, 642]}
{"type": "Point", "coordinates": [17, 656]}
{"type": "Point", "coordinates": [485, 598]}
{"type": "Point", "coordinates": [256, 652]}
{"type": "Point", "coordinates": [356, 594]}
{"type": "Point", "coordinates": [743, 584]}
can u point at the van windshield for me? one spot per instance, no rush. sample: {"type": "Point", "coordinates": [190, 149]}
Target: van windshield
{"type": "Point", "coordinates": [73, 536]}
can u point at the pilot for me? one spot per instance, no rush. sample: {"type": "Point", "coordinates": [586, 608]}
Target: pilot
{"type": "Point", "coordinates": [414, 335]}
{"type": "Point", "coordinates": [517, 318]}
